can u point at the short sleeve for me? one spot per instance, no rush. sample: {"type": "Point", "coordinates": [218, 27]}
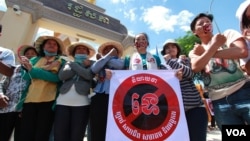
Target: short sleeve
{"type": "Point", "coordinates": [7, 56]}
{"type": "Point", "coordinates": [232, 35]}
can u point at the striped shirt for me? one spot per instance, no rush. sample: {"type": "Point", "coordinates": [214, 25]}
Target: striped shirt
{"type": "Point", "coordinates": [190, 95]}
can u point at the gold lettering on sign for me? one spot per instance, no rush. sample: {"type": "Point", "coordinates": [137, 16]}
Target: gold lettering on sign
{"type": "Point", "coordinates": [78, 11]}
{"type": "Point", "coordinates": [103, 19]}
{"type": "Point", "coordinates": [90, 14]}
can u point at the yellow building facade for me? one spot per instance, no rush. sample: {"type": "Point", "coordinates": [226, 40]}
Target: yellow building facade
{"type": "Point", "coordinates": [70, 20]}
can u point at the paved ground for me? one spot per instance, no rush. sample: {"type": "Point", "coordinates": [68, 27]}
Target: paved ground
{"type": "Point", "coordinates": [214, 135]}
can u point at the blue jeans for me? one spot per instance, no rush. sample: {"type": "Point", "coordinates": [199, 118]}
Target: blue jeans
{"type": "Point", "coordinates": [233, 109]}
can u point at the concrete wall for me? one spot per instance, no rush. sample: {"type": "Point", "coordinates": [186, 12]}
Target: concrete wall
{"type": "Point", "coordinates": [17, 29]}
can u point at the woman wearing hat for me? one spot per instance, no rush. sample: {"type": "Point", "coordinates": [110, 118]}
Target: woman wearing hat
{"type": "Point", "coordinates": [110, 59]}
{"type": "Point", "coordinates": [243, 14]}
{"type": "Point", "coordinates": [72, 104]}
{"type": "Point", "coordinates": [13, 87]}
{"type": "Point", "coordinates": [38, 98]}
{"type": "Point", "coordinates": [195, 111]}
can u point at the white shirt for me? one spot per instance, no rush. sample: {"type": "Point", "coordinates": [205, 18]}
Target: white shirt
{"type": "Point", "coordinates": [7, 56]}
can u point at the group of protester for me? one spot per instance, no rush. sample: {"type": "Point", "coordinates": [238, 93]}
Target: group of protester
{"type": "Point", "coordinates": [223, 59]}
{"type": "Point", "coordinates": [47, 96]}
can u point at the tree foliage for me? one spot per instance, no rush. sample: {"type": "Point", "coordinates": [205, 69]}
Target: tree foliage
{"type": "Point", "coordinates": [187, 42]}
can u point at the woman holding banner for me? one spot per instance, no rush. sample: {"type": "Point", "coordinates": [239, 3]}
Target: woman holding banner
{"type": "Point", "coordinates": [110, 54]}
{"type": "Point", "coordinates": [131, 99]}
{"type": "Point", "coordinates": [148, 61]}
{"type": "Point", "coordinates": [144, 60]}
{"type": "Point", "coordinates": [195, 111]}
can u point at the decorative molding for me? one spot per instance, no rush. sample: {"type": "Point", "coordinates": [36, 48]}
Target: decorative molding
{"type": "Point", "coordinates": [38, 10]}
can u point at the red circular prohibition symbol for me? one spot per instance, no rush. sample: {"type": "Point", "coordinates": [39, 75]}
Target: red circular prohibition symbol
{"type": "Point", "coordinates": [145, 107]}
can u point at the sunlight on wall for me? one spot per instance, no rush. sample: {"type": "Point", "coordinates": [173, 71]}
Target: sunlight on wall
{"type": "Point", "coordinates": [44, 32]}
{"type": "Point", "coordinates": [3, 6]}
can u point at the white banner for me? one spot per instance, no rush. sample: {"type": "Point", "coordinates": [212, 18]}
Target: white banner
{"type": "Point", "coordinates": [146, 105]}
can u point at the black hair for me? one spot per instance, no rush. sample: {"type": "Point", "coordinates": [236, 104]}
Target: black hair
{"type": "Point", "coordinates": [1, 28]}
{"type": "Point", "coordinates": [74, 51]}
{"type": "Point", "coordinates": [163, 52]}
{"type": "Point", "coordinates": [30, 48]}
{"type": "Point", "coordinates": [245, 20]}
{"type": "Point", "coordinates": [209, 16]}
{"type": "Point", "coordinates": [146, 36]}
{"type": "Point", "coordinates": [41, 50]}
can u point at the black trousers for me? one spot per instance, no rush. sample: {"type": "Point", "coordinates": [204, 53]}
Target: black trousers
{"type": "Point", "coordinates": [197, 123]}
{"type": "Point", "coordinates": [70, 122]}
{"type": "Point", "coordinates": [9, 122]}
{"type": "Point", "coordinates": [37, 121]}
{"type": "Point", "coordinates": [98, 116]}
